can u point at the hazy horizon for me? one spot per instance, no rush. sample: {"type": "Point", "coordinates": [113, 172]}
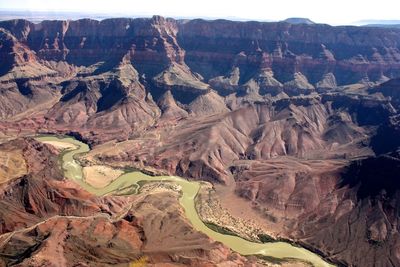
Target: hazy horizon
{"type": "Point", "coordinates": [317, 11]}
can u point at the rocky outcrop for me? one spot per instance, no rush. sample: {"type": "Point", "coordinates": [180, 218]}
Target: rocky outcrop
{"type": "Point", "coordinates": [390, 89]}
{"type": "Point", "coordinates": [208, 104]}
{"type": "Point", "coordinates": [170, 109]}
{"type": "Point", "coordinates": [113, 102]}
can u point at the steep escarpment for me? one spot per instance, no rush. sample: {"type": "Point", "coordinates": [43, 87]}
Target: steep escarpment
{"type": "Point", "coordinates": [151, 42]}
{"type": "Point", "coordinates": [189, 58]}
{"type": "Point", "coordinates": [286, 49]}
{"type": "Point", "coordinates": [390, 89]}
{"type": "Point", "coordinates": [180, 54]}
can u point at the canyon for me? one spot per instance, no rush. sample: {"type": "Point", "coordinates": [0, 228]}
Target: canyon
{"type": "Point", "coordinates": [296, 126]}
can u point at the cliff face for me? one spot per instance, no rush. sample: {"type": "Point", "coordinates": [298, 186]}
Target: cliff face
{"type": "Point", "coordinates": [192, 57]}
{"type": "Point", "coordinates": [184, 56]}
{"type": "Point", "coordinates": [344, 55]}
{"type": "Point", "coordinates": [351, 54]}
{"type": "Point", "coordinates": [86, 42]}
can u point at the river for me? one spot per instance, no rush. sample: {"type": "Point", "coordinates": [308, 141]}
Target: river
{"type": "Point", "coordinates": [280, 250]}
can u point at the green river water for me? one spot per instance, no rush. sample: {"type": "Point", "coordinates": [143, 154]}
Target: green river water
{"type": "Point", "coordinates": [279, 250]}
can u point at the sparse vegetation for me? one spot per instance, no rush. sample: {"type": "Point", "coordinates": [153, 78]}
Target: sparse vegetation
{"type": "Point", "coordinates": [264, 238]}
{"type": "Point", "coordinates": [141, 262]}
{"type": "Point", "coordinates": [220, 229]}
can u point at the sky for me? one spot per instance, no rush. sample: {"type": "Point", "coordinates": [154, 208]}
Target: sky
{"type": "Point", "coordinates": [334, 12]}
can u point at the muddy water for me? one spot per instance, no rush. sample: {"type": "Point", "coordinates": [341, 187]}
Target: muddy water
{"type": "Point", "coordinates": [129, 183]}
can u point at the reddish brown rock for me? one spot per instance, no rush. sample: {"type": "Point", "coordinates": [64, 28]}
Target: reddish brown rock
{"type": "Point", "coordinates": [46, 221]}
{"type": "Point", "coordinates": [274, 111]}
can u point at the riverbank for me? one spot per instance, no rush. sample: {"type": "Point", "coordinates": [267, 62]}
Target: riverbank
{"type": "Point", "coordinates": [189, 191]}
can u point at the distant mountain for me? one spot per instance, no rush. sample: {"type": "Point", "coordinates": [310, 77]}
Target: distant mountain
{"type": "Point", "coordinates": [379, 23]}
{"type": "Point", "coordinates": [397, 26]}
{"type": "Point", "coordinates": [299, 21]}
{"type": "Point", "coordinates": [38, 16]}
